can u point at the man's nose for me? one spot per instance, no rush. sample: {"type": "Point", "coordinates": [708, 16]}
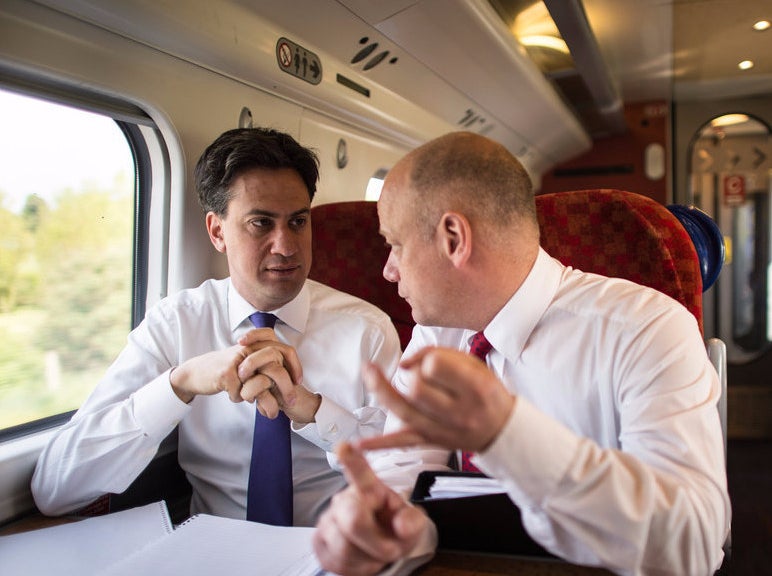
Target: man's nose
{"type": "Point", "coordinates": [284, 241]}
{"type": "Point", "coordinates": [390, 270]}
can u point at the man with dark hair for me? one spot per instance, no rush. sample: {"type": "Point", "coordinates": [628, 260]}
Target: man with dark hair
{"type": "Point", "coordinates": [196, 363]}
{"type": "Point", "coordinates": [591, 399]}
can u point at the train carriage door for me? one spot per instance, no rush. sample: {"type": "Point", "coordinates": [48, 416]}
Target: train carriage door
{"type": "Point", "coordinates": [731, 164]}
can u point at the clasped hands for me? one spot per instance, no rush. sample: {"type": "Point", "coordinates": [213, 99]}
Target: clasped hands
{"type": "Point", "coordinates": [452, 401]}
{"type": "Point", "coordinates": [258, 369]}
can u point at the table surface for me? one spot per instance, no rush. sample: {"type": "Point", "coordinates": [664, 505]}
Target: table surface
{"type": "Point", "coordinates": [452, 563]}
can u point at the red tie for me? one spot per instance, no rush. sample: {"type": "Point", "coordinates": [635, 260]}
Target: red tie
{"type": "Point", "coordinates": [480, 348]}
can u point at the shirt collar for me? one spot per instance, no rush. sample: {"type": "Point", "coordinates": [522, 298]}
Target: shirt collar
{"type": "Point", "coordinates": [294, 313]}
{"type": "Point", "coordinates": [511, 327]}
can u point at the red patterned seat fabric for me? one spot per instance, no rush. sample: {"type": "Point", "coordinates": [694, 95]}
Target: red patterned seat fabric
{"type": "Point", "coordinates": [349, 255]}
{"type": "Point", "coordinates": [609, 232]}
{"type": "Point", "coordinates": [624, 235]}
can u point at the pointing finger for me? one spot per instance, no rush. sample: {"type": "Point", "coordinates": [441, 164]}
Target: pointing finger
{"type": "Point", "coordinates": [398, 439]}
{"type": "Point", "coordinates": [356, 469]}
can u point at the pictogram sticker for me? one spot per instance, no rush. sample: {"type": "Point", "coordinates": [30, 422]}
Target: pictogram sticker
{"type": "Point", "coordinates": [285, 55]}
{"type": "Point", "coordinates": [734, 190]}
{"type": "Point", "coordinates": [298, 61]}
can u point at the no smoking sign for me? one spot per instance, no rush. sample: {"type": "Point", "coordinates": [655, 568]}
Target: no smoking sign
{"type": "Point", "coordinates": [298, 61]}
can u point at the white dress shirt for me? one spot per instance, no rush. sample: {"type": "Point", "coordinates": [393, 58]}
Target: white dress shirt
{"type": "Point", "coordinates": [614, 450]}
{"type": "Point", "coordinates": [117, 431]}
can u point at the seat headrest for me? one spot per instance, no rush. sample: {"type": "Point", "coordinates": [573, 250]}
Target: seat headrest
{"type": "Point", "coordinates": [623, 235]}
{"type": "Point", "coordinates": [707, 239]}
{"type": "Point", "coordinates": [349, 255]}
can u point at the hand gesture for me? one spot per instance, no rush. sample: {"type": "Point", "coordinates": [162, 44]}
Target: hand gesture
{"type": "Point", "coordinates": [214, 372]}
{"type": "Point", "coordinates": [454, 401]}
{"type": "Point", "coordinates": [367, 525]}
{"type": "Point", "coordinates": [272, 377]}
{"type": "Point", "coordinates": [258, 369]}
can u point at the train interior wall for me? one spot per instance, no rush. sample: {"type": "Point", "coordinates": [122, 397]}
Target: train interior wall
{"type": "Point", "coordinates": [635, 160]}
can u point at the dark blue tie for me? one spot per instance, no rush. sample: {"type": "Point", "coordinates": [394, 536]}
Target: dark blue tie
{"type": "Point", "coordinates": [269, 493]}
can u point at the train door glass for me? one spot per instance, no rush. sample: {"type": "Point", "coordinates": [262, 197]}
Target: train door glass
{"type": "Point", "coordinates": [731, 163]}
{"type": "Point", "coordinates": [66, 254]}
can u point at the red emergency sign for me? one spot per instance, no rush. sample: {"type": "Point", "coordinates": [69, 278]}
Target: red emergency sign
{"type": "Point", "coordinates": [734, 190]}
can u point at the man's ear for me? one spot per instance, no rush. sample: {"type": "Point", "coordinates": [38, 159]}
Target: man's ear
{"type": "Point", "coordinates": [455, 237]}
{"type": "Point", "coordinates": [214, 228]}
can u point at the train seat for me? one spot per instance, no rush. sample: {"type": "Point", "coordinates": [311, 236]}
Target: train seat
{"type": "Point", "coordinates": [606, 231]}
{"type": "Point", "coordinates": [623, 235]}
{"type": "Point", "coordinates": [349, 254]}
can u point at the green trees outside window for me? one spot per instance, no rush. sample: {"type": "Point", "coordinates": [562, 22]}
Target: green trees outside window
{"type": "Point", "coordinates": [66, 221]}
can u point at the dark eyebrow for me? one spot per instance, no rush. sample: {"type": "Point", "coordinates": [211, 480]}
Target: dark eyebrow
{"type": "Point", "coordinates": [269, 214]}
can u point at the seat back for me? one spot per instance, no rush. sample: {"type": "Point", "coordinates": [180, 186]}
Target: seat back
{"type": "Point", "coordinates": [349, 254]}
{"type": "Point", "coordinates": [609, 232]}
{"type": "Point", "coordinates": [623, 235]}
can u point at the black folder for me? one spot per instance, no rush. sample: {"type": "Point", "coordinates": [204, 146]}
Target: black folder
{"type": "Point", "coordinates": [487, 523]}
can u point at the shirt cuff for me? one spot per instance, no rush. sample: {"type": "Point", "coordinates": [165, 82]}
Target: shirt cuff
{"type": "Point", "coordinates": [531, 454]}
{"type": "Point", "coordinates": [157, 409]}
{"type": "Point", "coordinates": [333, 424]}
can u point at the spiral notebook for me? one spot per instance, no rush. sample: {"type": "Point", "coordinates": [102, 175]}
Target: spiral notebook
{"type": "Point", "coordinates": [85, 547]}
{"type": "Point", "coordinates": [205, 545]}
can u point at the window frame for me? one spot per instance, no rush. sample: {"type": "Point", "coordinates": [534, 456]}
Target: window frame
{"type": "Point", "coordinates": [138, 128]}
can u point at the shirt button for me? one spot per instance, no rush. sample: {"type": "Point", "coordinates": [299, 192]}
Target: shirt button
{"type": "Point", "coordinates": [332, 429]}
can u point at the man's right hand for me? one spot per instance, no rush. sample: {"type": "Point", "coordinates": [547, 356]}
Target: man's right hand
{"type": "Point", "coordinates": [367, 526]}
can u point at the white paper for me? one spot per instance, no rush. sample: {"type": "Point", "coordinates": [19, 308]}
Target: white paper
{"type": "Point", "coordinates": [462, 486]}
{"type": "Point", "coordinates": [209, 545]}
{"type": "Point", "coordinates": [83, 547]}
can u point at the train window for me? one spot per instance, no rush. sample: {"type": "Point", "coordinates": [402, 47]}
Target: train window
{"type": "Point", "coordinates": [66, 254]}
{"type": "Point", "coordinates": [374, 185]}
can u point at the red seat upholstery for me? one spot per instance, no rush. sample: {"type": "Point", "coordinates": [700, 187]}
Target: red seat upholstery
{"type": "Point", "coordinates": [349, 255]}
{"type": "Point", "coordinates": [608, 232]}
{"type": "Point", "coordinates": [624, 235]}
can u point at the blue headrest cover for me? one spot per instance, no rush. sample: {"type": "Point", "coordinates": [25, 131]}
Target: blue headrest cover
{"type": "Point", "coordinates": [707, 239]}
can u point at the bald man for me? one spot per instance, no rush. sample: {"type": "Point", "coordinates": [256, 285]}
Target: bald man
{"type": "Point", "coordinates": [594, 403]}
